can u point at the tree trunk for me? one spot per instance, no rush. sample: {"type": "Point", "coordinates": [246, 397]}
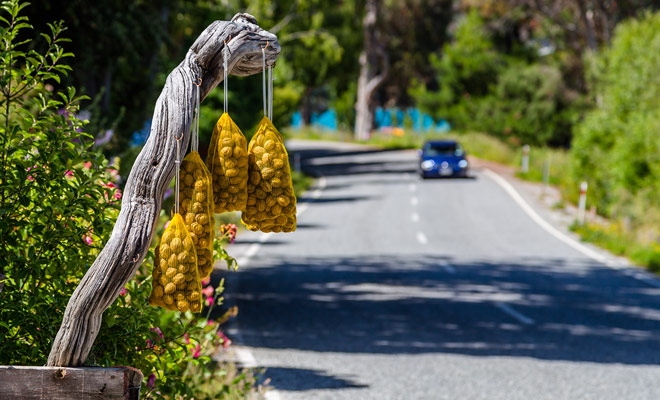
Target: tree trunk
{"type": "Point", "coordinates": [369, 79]}
{"type": "Point", "coordinates": [151, 174]}
{"type": "Point", "coordinates": [306, 109]}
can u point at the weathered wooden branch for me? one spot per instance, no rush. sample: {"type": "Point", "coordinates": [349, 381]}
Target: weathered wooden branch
{"type": "Point", "coordinates": [61, 383]}
{"type": "Point", "coordinates": [151, 174]}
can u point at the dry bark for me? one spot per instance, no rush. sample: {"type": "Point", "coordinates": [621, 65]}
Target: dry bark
{"type": "Point", "coordinates": [370, 77]}
{"type": "Point", "coordinates": [151, 174]}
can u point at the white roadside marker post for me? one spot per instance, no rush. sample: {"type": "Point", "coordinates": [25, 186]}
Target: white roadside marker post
{"type": "Point", "coordinates": [582, 203]}
{"type": "Point", "coordinates": [525, 159]}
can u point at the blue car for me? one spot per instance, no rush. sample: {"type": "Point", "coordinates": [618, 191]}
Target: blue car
{"type": "Point", "coordinates": [442, 158]}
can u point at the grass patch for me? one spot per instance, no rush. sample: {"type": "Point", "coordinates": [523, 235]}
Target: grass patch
{"type": "Point", "coordinates": [301, 182]}
{"type": "Point", "coordinates": [621, 243]}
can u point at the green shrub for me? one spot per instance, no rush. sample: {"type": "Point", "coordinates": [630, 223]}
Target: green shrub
{"type": "Point", "coordinates": [58, 204]}
{"type": "Point", "coordinates": [57, 196]}
{"type": "Point", "coordinates": [616, 147]}
{"type": "Point", "coordinates": [480, 88]}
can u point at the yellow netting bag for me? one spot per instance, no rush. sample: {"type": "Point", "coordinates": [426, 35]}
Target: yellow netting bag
{"type": "Point", "coordinates": [271, 203]}
{"type": "Point", "coordinates": [176, 282]}
{"type": "Point", "coordinates": [197, 209]}
{"type": "Point", "coordinates": [227, 162]}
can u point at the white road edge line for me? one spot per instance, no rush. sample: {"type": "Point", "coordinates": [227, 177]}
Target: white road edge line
{"type": "Point", "coordinates": [244, 355]}
{"type": "Point", "coordinates": [515, 314]}
{"type": "Point", "coordinates": [543, 223]}
{"type": "Point", "coordinates": [414, 200]}
{"type": "Point", "coordinates": [414, 217]}
{"type": "Point", "coordinates": [638, 274]}
{"type": "Point", "coordinates": [422, 238]}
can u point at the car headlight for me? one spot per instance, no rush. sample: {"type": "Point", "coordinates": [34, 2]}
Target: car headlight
{"type": "Point", "coordinates": [428, 165]}
{"type": "Point", "coordinates": [463, 164]}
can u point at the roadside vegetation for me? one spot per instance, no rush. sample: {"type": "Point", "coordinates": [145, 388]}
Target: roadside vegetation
{"type": "Point", "coordinates": [59, 198]}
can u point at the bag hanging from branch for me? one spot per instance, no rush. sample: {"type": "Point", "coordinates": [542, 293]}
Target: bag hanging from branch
{"type": "Point", "coordinates": [176, 282]}
{"type": "Point", "coordinates": [197, 210]}
{"type": "Point", "coordinates": [271, 203]}
{"type": "Point", "coordinates": [227, 158]}
{"type": "Point", "coordinates": [227, 163]}
{"type": "Point", "coordinates": [196, 196]}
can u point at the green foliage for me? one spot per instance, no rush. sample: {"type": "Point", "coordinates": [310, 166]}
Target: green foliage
{"type": "Point", "coordinates": [466, 71]}
{"type": "Point", "coordinates": [622, 242]}
{"type": "Point", "coordinates": [616, 146]}
{"type": "Point", "coordinates": [58, 204]}
{"type": "Point", "coordinates": [57, 198]}
{"type": "Point", "coordinates": [485, 89]}
{"type": "Point", "coordinates": [530, 103]}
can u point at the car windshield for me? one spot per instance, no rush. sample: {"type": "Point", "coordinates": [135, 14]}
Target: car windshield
{"type": "Point", "coordinates": [442, 149]}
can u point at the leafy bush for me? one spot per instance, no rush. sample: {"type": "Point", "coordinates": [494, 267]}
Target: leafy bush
{"type": "Point", "coordinates": [58, 204]}
{"type": "Point", "coordinates": [466, 71]}
{"type": "Point", "coordinates": [616, 147]}
{"type": "Point", "coordinates": [483, 89]}
{"type": "Point", "coordinates": [57, 196]}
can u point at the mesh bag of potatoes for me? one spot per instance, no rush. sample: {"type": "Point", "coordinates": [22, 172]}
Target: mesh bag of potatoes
{"type": "Point", "coordinates": [197, 209]}
{"type": "Point", "coordinates": [271, 203]}
{"type": "Point", "coordinates": [176, 282]}
{"type": "Point", "coordinates": [227, 162]}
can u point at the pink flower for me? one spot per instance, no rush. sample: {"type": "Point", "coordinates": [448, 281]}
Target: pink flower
{"type": "Point", "coordinates": [208, 291]}
{"type": "Point", "coordinates": [151, 381]}
{"type": "Point", "coordinates": [88, 164]}
{"type": "Point", "coordinates": [117, 195]}
{"type": "Point", "coordinates": [30, 178]}
{"type": "Point", "coordinates": [157, 331]}
{"type": "Point", "coordinates": [226, 342]}
{"type": "Point", "coordinates": [88, 239]}
{"type": "Point", "coordinates": [186, 338]}
{"type": "Point", "coordinates": [210, 322]}
{"type": "Point", "coordinates": [229, 231]}
{"type": "Point", "coordinates": [110, 185]}
{"type": "Point", "coordinates": [195, 351]}
{"type": "Point", "coordinates": [123, 292]}
{"type": "Point", "coordinates": [209, 301]}
{"type": "Point", "coordinates": [149, 344]}
{"type": "Point", "coordinates": [68, 173]}
{"type": "Point", "coordinates": [166, 224]}
{"type": "Point", "coordinates": [206, 281]}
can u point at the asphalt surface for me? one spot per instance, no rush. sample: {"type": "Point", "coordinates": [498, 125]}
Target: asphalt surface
{"type": "Point", "coordinates": [398, 288]}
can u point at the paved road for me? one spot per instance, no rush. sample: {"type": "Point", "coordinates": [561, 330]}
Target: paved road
{"type": "Point", "coordinates": [396, 288]}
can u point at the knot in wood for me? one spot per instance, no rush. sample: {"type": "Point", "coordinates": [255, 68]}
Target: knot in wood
{"type": "Point", "coordinates": [61, 373]}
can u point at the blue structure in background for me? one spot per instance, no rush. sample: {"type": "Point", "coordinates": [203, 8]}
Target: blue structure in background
{"type": "Point", "coordinates": [140, 137]}
{"type": "Point", "coordinates": [420, 121]}
{"type": "Point", "coordinates": [325, 120]}
{"type": "Point", "coordinates": [383, 118]}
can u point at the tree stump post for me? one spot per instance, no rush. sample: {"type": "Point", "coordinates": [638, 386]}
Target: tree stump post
{"type": "Point", "coordinates": [151, 174]}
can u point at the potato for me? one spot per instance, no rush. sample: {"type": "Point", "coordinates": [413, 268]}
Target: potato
{"type": "Point", "coordinates": [170, 288]}
{"type": "Point", "coordinates": [158, 291]}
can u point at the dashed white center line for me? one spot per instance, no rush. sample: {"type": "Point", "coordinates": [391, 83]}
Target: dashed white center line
{"type": "Point", "coordinates": [412, 187]}
{"type": "Point", "coordinates": [414, 200]}
{"type": "Point", "coordinates": [422, 238]}
{"type": "Point", "coordinates": [414, 217]}
{"type": "Point", "coordinates": [515, 314]}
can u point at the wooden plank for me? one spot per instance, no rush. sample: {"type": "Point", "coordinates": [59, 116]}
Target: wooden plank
{"type": "Point", "coordinates": [63, 383]}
